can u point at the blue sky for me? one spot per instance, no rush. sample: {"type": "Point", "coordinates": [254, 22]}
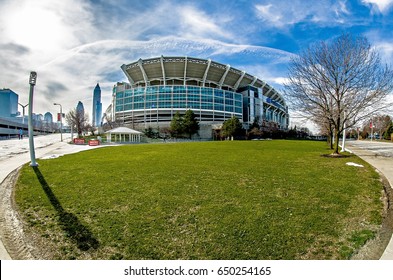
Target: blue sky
{"type": "Point", "coordinates": [73, 44]}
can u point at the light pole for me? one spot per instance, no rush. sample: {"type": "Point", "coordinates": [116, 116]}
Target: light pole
{"type": "Point", "coordinates": [23, 106]}
{"type": "Point", "coordinates": [61, 121]}
{"type": "Point", "coordinates": [32, 82]}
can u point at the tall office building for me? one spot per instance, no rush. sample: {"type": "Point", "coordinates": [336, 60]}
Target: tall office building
{"type": "Point", "coordinates": [97, 106]}
{"type": "Point", "coordinates": [80, 108]}
{"type": "Point", "coordinates": [8, 103]}
{"type": "Point", "coordinates": [48, 118]}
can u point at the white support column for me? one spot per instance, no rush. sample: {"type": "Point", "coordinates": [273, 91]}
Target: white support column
{"type": "Point", "coordinates": [185, 72]}
{"type": "Point", "coordinates": [209, 61]}
{"type": "Point", "coordinates": [274, 95]}
{"type": "Point", "coordinates": [240, 79]}
{"type": "Point", "coordinates": [147, 83]}
{"type": "Point", "coordinates": [224, 76]}
{"type": "Point", "coordinates": [271, 88]}
{"type": "Point", "coordinates": [163, 69]}
{"type": "Point", "coordinates": [253, 82]}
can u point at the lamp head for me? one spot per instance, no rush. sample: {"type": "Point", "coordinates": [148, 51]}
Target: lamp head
{"type": "Point", "coordinates": [33, 78]}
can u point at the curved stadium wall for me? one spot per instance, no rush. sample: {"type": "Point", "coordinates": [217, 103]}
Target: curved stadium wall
{"type": "Point", "coordinates": [160, 87]}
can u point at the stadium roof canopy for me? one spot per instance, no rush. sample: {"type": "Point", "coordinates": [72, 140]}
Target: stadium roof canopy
{"type": "Point", "coordinates": [193, 71]}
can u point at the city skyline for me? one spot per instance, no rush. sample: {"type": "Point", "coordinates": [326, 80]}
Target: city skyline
{"type": "Point", "coordinates": [72, 44]}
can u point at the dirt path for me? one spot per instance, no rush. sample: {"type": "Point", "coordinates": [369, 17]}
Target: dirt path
{"type": "Point", "coordinates": [11, 229]}
{"type": "Point", "coordinates": [13, 241]}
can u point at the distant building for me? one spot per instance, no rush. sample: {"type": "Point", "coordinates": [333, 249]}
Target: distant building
{"type": "Point", "coordinates": [48, 117]}
{"type": "Point", "coordinates": [38, 118]}
{"type": "Point", "coordinates": [80, 108]}
{"type": "Point", "coordinates": [8, 103]}
{"type": "Point", "coordinates": [97, 106]}
{"type": "Point", "coordinates": [11, 121]}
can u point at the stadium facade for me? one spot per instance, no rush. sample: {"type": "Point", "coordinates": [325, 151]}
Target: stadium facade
{"type": "Point", "coordinates": [159, 87]}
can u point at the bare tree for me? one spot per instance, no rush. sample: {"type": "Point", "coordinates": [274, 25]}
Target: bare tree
{"type": "Point", "coordinates": [380, 124]}
{"type": "Point", "coordinates": [79, 121]}
{"type": "Point", "coordinates": [337, 82]}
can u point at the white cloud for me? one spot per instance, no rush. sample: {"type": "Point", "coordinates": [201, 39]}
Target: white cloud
{"type": "Point", "coordinates": [46, 26]}
{"type": "Point", "coordinates": [383, 44]}
{"type": "Point", "coordinates": [196, 23]}
{"type": "Point", "coordinates": [281, 14]}
{"type": "Point", "coordinates": [382, 5]}
{"type": "Point", "coordinates": [341, 9]}
{"type": "Point", "coordinates": [270, 14]}
{"type": "Point", "coordinates": [386, 50]}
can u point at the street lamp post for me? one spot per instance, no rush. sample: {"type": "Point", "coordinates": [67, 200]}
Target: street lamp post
{"type": "Point", "coordinates": [61, 121]}
{"type": "Point", "coordinates": [23, 106]}
{"type": "Point", "coordinates": [32, 82]}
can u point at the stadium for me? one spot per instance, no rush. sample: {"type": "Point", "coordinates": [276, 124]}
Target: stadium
{"type": "Point", "coordinates": [159, 87]}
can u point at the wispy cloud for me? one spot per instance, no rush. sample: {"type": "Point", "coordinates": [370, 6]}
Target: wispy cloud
{"type": "Point", "coordinates": [196, 23]}
{"type": "Point", "coordinates": [280, 14]}
{"type": "Point", "coordinates": [269, 14]}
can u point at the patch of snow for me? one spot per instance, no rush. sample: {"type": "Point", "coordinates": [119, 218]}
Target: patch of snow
{"type": "Point", "coordinates": [51, 156]}
{"type": "Point", "coordinates": [354, 164]}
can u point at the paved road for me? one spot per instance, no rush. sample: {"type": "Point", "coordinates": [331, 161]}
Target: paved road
{"type": "Point", "coordinates": [379, 155]}
{"type": "Point", "coordinates": [384, 149]}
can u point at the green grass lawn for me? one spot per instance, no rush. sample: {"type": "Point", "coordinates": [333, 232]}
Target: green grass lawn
{"type": "Point", "coordinates": [209, 200]}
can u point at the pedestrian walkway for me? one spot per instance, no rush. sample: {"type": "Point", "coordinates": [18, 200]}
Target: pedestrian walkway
{"type": "Point", "coordinates": [14, 153]}
{"type": "Point", "coordinates": [379, 155]}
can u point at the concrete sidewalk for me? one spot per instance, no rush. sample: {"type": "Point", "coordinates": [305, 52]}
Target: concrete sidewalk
{"type": "Point", "coordinates": [379, 155]}
{"type": "Point", "coordinates": [11, 162]}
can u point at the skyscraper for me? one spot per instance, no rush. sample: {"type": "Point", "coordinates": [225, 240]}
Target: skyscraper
{"type": "Point", "coordinates": [48, 118]}
{"type": "Point", "coordinates": [80, 108]}
{"type": "Point", "coordinates": [97, 106]}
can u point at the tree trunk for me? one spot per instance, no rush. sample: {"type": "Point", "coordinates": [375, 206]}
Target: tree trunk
{"type": "Point", "coordinates": [330, 139]}
{"type": "Point", "coordinates": [336, 141]}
